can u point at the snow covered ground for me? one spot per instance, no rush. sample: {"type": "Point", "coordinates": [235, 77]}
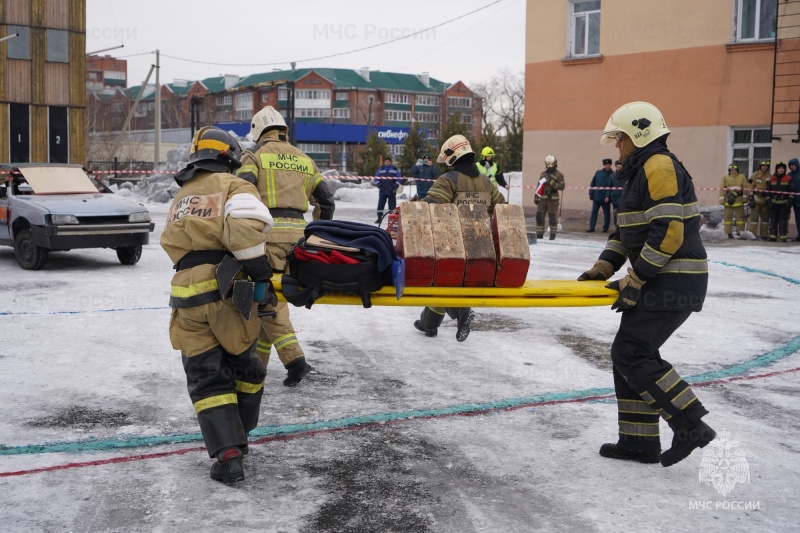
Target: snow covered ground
{"type": "Point", "coordinates": [394, 431]}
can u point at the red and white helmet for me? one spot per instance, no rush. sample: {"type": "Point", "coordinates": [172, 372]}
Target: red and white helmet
{"type": "Point", "coordinates": [454, 149]}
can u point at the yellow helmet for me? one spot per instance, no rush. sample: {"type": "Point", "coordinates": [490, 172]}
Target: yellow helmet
{"type": "Point", "coordinates": [486, 152]}
{"type": "Point", "coordinates": [268, 117]}
{"type": "Point", "coordinates": [454, 149]}
{"type": "Point", "coordinates": [640, 121]}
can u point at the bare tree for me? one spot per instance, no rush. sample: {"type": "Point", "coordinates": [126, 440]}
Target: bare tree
{"type": "Point", "coordinates": [503, 110]}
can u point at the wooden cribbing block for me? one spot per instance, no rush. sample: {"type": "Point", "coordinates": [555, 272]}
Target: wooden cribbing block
{"type": "Point", "coordinates": [511, 245]}
{"type": "Point", "coordinates": [479, 253]}
{"type": "Point", "coordinates": [415, 243]}
{"type": "Point", "coordinates": [448, 246]}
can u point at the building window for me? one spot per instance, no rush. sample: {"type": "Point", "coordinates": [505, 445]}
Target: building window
{"type": "Point", "coordinates": [457, 101]}
{"type": "Point", "coordinates": [283, 94]}
{"type": "Point", "coordinates": [244, 106]}
{"type": "Point", "coordinates": [312, 113]}
{"type": "Point", "coordinates": [224, 100]}
{"type": "Point", "coordinates": [341, 113]}
{"type": "Point", "coordinates": [398, 116]}
{"type": "Point", "coordinates": [750, 147]}
{"type": "Point", "coordinates": [396, 98]}
{"type": "Point", "coordinates": [342, 95]}
{"type": "Point", "coordinates": [429, 118]}
{"type": "Point", "coordinates": [466, 119]}
{"type": "Point", "coordinates": [313, 94]}
{"type": "Point", "coordinates": [424, 99]}
{"type": "Point", "coordinates": [755, 20]}
{"type": "Point", "coordinates": [57, 46]}
{"type": "Point", "coordinates": [584, 28]}
{"type": "Point", "coordinates": [314, 148]}
{"type": "Point", "coordinates": [19, 47]}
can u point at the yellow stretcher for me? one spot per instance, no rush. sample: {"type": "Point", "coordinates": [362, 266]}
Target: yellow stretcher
{"type": "Point", "coordinates": [535, 293]}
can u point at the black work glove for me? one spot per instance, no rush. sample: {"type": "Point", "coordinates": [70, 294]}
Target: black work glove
{"type": "Point", "coordinates": [630, 288]}
{"type": "Point", "coordinates": [751, 202]}
{"type": "Point", "coordinates": [600, 271]}
{"type": "Point", "coordinates": [257, 268]}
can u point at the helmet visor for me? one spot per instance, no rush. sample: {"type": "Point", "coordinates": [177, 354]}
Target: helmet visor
{"type": "Point", "coordinates": [611, 133]}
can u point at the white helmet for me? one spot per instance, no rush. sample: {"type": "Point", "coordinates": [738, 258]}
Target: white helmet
{"type": "Point", "coordinates": [550, 161]}
{"type": "Point", "coordinates": [640, 121]}
{"type": "Point", "coordinates": [268, 117]}
{"type": "Point", "coordinates": [454, 149]}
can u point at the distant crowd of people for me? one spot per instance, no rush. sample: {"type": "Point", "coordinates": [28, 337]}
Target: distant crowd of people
{"type": "Point", "coordinates": [762, 203]}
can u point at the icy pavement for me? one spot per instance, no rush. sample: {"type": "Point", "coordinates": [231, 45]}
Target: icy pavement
{"type": "Point", "coordinates": [394, 431]}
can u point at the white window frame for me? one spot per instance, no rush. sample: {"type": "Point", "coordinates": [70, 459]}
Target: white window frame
{"type": "Point", "coordinates": [224, 101]}
{"type": "Point", "coordinates": [341, 112]}
{"type": "Point", "coordinates": [393, 115]}
{"type": "Point", "coordinates": [586, 16]}
{"type": "Point", "coordinates": [312, 112]}
{"type": "Point", "coordinates": [397, 98]}
{"type": "Point", "coordinates": [756, 22]}
{"type": "Point", "coordinates": [459, 101]}
{"type": "Point", "coordinates": [748, 169]}
{"type": "Point", "coordinates": [426, 117]}
{"type": "Point", "coordinates": [313, 94]}
{"type": "Point", "coordinates": [427, 100]}
{"type": "Point", "coordinates": [314, 148]}
{"type": "Point", "coordinates": [342, 95]}
{"type": "Point", "coordinates": [283, 93]}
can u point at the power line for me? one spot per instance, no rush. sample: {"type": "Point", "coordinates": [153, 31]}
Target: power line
{"type": "Point", "coordinates": [226, 64]}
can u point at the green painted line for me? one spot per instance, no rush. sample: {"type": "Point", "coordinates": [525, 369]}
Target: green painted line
{"type": "Point", "coordinates": [97, 445]}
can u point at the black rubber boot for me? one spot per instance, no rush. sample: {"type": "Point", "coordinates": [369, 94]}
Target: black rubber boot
{"type": "Point", "coordinates": [684, 442]}
{"type": "Point", "coordinates": [615, 451]}
{"type": "Point", "coordinates": [297, 370]}
{"type": "Point", "coordinates": [552, 236]}
{"type": "Point", "coordinates": [463, 322]}
{"type": "Point", "coordinates": [429, 322]}
{"type": "Point", "coordinates": [228, 468]}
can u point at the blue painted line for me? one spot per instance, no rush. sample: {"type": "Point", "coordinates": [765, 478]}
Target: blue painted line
{"type": "Point", "coordinates": [758, 271]}
{"type": "Point", "coordinates": [8, 313]}
{"type": "Point", "coordinates": [96, 445]}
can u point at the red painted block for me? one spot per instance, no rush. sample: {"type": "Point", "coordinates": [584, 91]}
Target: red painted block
{"type": "Point", "coordinates": [415, 243]}
{"type": "Point", "coordinates": [479, 254]}
{"type": "Point", "coordinates": [448, 246]}
{"type": "Point", "coordinates": [511, 245]}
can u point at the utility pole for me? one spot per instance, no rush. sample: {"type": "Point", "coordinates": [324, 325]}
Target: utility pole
{"type": "Point", "coordinates": [131, 112]}
{"type": "Point", "coordinates": [157, 118]}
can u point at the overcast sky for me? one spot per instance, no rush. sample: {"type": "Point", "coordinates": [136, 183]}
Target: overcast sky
{"type": "Point", "coordinates": [269, 35]}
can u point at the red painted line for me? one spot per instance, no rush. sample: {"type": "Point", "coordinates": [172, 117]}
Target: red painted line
{"type": "Point", "coordinates": [263, 440]}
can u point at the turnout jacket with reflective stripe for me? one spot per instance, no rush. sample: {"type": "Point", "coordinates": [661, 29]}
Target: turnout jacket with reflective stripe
{"type": "Point", "coordinates": [286, 178]}
{"type": "Point", "coordinates": [454, 187]}
{"type": "Point", "coordinates": [659, 232]}
{"type": "Point", "coordinates": [197, 221]}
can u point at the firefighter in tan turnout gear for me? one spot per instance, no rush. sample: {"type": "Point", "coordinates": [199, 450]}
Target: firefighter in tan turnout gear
{"type": "Point", "coordinates": [546, 198]}
{"type": "Point", "coordinates": [287, 180]}
{"type": "Point", "coordinates": [214, 234]}
{"type": "Point", "coordinates": [759, 212]}
{"type": "Point", "coordinates": [461, 184]}
{"type": "Point", "coordinates": [733, 195]}
{"type": "Point", "coordinates": [659, 233]}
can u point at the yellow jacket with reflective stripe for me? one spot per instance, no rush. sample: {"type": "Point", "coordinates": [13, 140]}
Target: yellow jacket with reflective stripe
{"type": "Point", "coordinates": [197, 221]}
{"type": "Point", "coordinates": [286, 178]}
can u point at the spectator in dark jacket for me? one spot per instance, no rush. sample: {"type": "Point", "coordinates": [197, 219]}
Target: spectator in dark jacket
{"type": "Point", "coordinates": [387, 186]}
{"type": "Point", "coordinates": [425, 171]}
{"type": "Point", "coordinates": [601, 198]}
{"type": "Point", "coordinates": [616, 195]}
{"type": "Point", "coordinates": [794, 172]}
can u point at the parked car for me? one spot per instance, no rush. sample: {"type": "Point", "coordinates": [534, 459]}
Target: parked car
{"type": "Point", "coordinates": [46, 207]}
